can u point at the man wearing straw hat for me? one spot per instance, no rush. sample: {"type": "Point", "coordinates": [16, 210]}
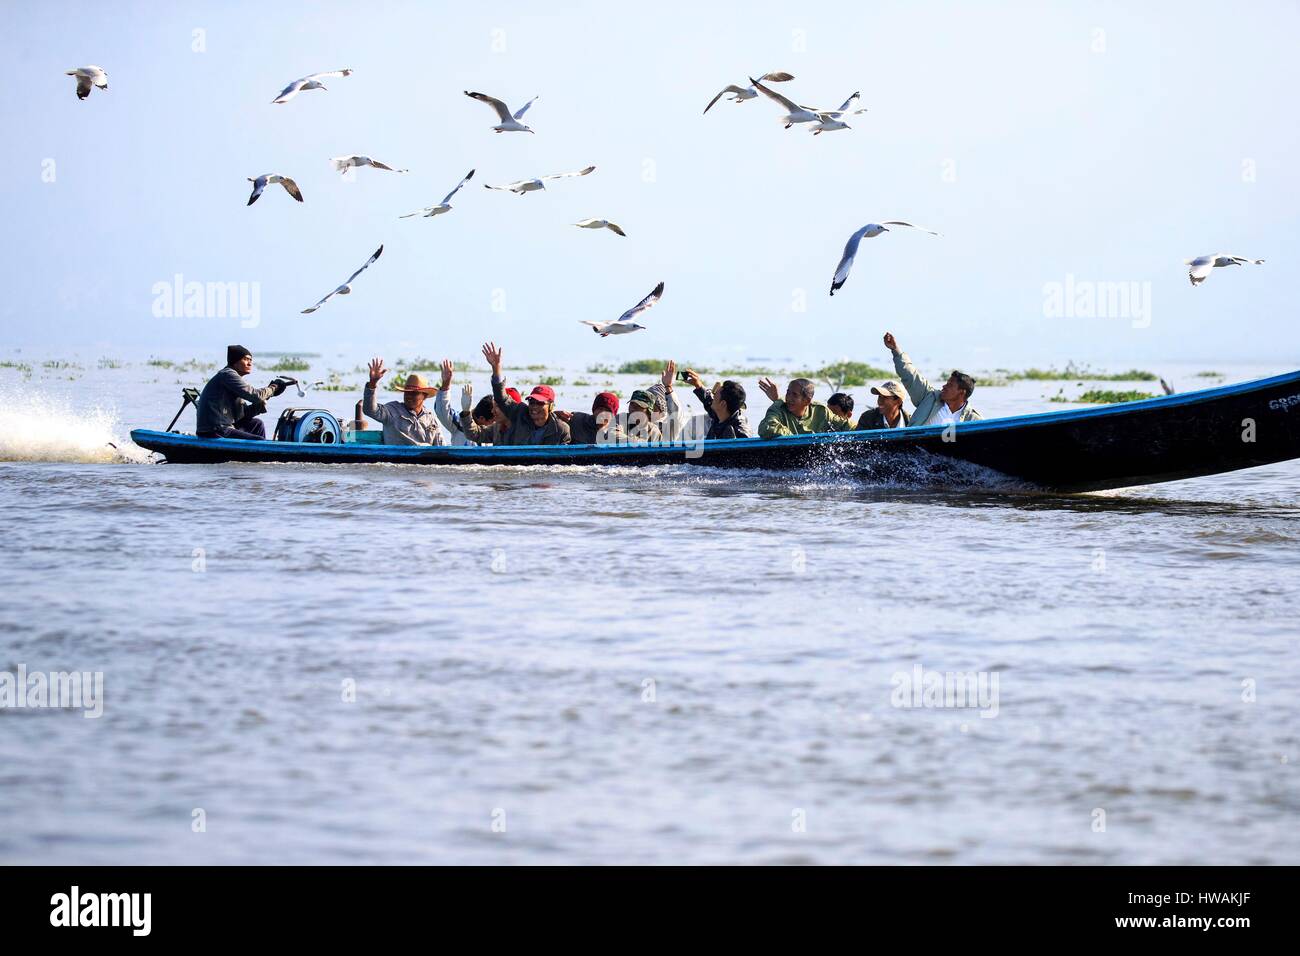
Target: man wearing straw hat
{"type": "Point", "coordinates": [406, 422]}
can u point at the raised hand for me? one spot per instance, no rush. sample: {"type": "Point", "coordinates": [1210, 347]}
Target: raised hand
{"type": "Point", "coordinates": [466, 397]}
{"type": "Point", "coordinates": [890, 342]}
{"type": "Point", "coordinates": [693, 379]}
{"type": "Point", "coordinates": [377, 371]}
{"type": "Point", "coordinates": [493, 356]}
{"type": "Point", "coordinates": [669, 373]}
{"type": "Point", "coordinates": [769, 389]}
{"type": "Point", "coordinates": [447, 371]}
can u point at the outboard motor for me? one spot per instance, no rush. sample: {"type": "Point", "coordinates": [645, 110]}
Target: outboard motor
{"type": "Point", "coordinates": [308, 425]}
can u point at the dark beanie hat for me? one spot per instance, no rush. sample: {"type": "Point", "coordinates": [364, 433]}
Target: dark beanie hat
{"type": "Point", "coordinates": [234, 353]}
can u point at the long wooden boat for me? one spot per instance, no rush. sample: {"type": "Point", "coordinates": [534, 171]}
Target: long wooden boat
{"type": "Point", "coordinates": [1135, 443]}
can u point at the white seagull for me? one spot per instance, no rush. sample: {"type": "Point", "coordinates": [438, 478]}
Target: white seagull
{"type": "Point", "coordinates": [346, 288]}
{"type": "Point", "coordinates": [869, 231]}
{"type": "Point", "coordinates": [88, 76]}
{"type": "Point", "coordinates": [270, 179]}
{"type": "Point", "coordinates": [1201, 265]}
{"type": "Point", "coordinates": [834, 119]}
{"type": "Point", "coordinates": [509, 121]}
{"type": "Point", "coordinates": [794, 113]}
{"type": "Point", "coordinates": [444, 206]}
{"type": "Point", "coordinates": [532, 185]}
{"type": "Point", "coordinates": [344, 163]}
{"type": "Point", "coordinates": [624, 323]}
{"type": "Point", "coordinates": [312, 82]}
{"type": "Point", "coordinates": [742, 93]}
{"type": "Point", "coordinates": [601, 224]}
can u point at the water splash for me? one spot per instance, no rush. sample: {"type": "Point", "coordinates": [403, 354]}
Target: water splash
{"type": "Point", "coordinates": [39, 428]}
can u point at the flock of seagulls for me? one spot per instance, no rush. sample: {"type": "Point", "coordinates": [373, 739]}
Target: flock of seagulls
{"type": "Point", "coordinates": [821, 120]}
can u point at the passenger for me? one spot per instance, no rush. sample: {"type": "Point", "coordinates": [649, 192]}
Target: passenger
{"type": "Point", "coordinates": [841, 403]}
{"type": "Point", "coordinates": [638, 423]}
{"type": "Point", "coordinates": [486, 425]}
{"type": "Point", "coordinates": [798, 414]}
{"type": "Point", "coordinates": [406, 422]}
{"type": "Point", "coordinates": [227, 407]}
{"type": "Point", "coordinates": [934, 406]}
{"type": "Point", "coordinates": [600, 427]}
{"type": "Point", "coordinates": [531, 422]}
{"type": "Point", "coordinates": [450, 419]}
{"type": "Point", "coordinates": [889, 411]}
{"type": "Point", "coordinates": [725, 407]}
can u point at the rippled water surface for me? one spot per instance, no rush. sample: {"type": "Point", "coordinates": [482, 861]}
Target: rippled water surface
{"type": "Point", "coordinates": [633, 665]}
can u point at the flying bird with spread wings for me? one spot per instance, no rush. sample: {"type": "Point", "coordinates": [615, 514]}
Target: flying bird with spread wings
{"type": "Point", "coordinates": [270, 179]}
{"type": "Point", "coordinates": [624, 324]}
{"type": "Point", "coordinates": [1202, 266]}
{"type": "Point", "coordinates": [509, 121]}
{"type": "Point", "coordinates": [601, 224]}
{"type": "Point", "coordinates": [444, 206]}
{"type": "Point", "coordinates": [869, 231]}
{"type": "Point", "coordinates": [312, 82]}
{"type": "Point", "coordinates": [532, 185]}
{"type": "Point", "coordinates": [740, 94]}
{"type": "Point", "coordinates": [346, 288]}
{"type": "Point", "coordinates": [88, 76]}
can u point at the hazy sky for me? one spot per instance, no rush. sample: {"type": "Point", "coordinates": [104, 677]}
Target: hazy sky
{"type": "Point", "coordinates": [1104, 141]}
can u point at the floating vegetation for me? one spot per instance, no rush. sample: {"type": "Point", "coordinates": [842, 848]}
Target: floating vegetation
{"type": "Point", "coordinates": [1097, 396]}
{"type": "Point", "coordinates": [59, 364]}
{"type": "Point", "coordinates": [579, 382]}
{"type": "Point", "coordinates": [109, 363]}
{"type": "Point", "coordinates": [552, 380]}
{"type": "Point", "coordinates": [642, 367]}
{"type": "Point", "coordinates": [290, 363]}
{"type": "Point", "coordinates": [19, 366]}
{"type": "Point", "coordinates": [335, 383]}
{"type": "Point", "coordinates": [1209, 375]}
{"type": "Point", "coordinates": [842, 375]}
{"type": "Point", "coordinates": [1072, 371]}
{"type": "Point", "coordinates": [600, 370]}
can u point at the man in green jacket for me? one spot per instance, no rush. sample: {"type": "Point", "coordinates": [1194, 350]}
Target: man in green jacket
{"type": "Point", "coordinates": [934, 406]}
{"type": "Point", "coordinates": [797, 414]}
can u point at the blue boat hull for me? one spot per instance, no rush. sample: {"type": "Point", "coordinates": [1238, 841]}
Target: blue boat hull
{"type": "Point", "coordinates": [1112, 446]}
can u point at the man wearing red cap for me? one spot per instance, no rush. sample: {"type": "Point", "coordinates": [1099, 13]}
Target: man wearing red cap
{"type": "Point", "coordinates": [598, 428]}
{"type": "Point", "coordinates": [531, 422]}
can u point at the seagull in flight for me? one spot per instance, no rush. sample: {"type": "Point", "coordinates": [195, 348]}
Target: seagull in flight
{"type": "Point", "coordinates": [532, 185]}
{"type": "Point", "coordinates": [1201, 265]}
{"type": "Point", "coordinates": [601, 224]}
{"type": "Point", "coordinates": [444, 206]}
{"type": "Point", "coordinates": [830, 120]}
{"type": "Point", "coordinates": [741, 93]}
{"type": "Point", "coordinates": [88, 76]}
{"type": "Point", "coordinates": [312, 82]}
{"type": "Point", "coordinates": [270, 179]}
{"type": "Point", "coordinates": [346, 288]}
{"type": "Point", "coordinates": [794, 113]}
{"type": "Point", "coordinates": [509, 121]}
{"type": "Point", "coordinates": [624, 324]}
{"type": "Point", "coordinates": [344, 163]}
{"type": "Point", "coordinates": [869, 231]}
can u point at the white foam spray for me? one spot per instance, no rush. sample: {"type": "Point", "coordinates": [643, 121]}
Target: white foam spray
{"type": "Point", "coordinates": [35, 427]}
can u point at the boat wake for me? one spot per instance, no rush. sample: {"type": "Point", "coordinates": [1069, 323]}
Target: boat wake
{"type": "Point", "coordinates": [39, 428]}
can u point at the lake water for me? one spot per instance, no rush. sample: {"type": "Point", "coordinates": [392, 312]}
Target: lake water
{"type": "Point", "coordinates": [395, 664]}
